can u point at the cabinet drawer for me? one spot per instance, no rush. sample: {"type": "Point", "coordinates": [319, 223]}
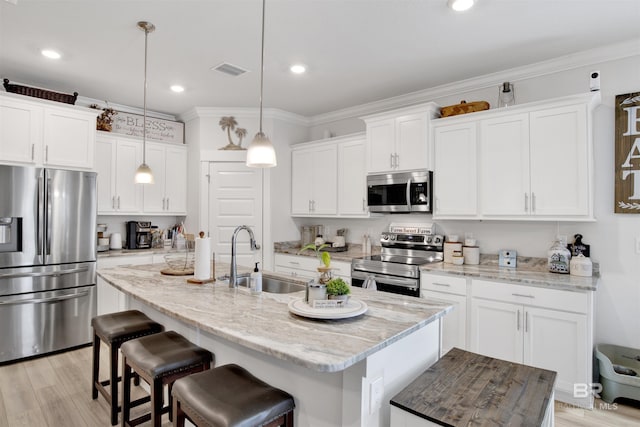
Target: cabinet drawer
{"type": "Point", "coordinates": [297, 262]}
{"type": "Point", "coordinates": [439, 283]}
{"type": "Point", "coordinates": [340, 268]}
{"type": "Point", "coordinates": [529, 295]}
{"type": "Point", "coordinates": [294, 272]}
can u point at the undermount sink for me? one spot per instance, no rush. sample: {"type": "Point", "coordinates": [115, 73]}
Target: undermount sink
{"type": "Point", "coordinates": [273, 285]}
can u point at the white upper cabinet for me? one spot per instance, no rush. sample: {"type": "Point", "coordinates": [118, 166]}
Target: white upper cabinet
{"type": "Point", "coordinates": [168, 193]}
{"type": "Point", "coordinates": [534, 162]}
{"type": "Point", "coordinates": [328, 178]}
{"type": "Point", "coordinates": [503, 154]}
{"type": "Point", "coordinates": [398, 140]}
{"type": "Point", "coordinates": [45, 133]}
{"type": "Point", "coordinates": [117, 159]}
{"type": "Point", "coordinates": [314, 180]}
{"type": "Point", "coordinates": [455, 171]}
{"type": "Point", "coordinates": [352, 182]}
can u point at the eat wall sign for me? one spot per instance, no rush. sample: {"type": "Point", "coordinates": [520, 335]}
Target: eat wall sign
{"type": "Point", "coordinates": [627, 180]}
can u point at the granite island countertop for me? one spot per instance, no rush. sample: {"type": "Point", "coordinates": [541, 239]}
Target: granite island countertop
{"type": "Point", "coordinates": [529, 272]}
{"type": "Point", "coordinates": [264, 323]}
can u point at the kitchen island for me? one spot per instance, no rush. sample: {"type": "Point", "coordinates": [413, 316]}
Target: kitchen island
{"type": "Point", "coordinates": [341, 372]}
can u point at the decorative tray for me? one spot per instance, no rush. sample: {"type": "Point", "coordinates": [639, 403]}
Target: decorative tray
{"type": "Point", "coordinates": [335, 249]}
{"type": "Point", "coordinates": [353, 308]}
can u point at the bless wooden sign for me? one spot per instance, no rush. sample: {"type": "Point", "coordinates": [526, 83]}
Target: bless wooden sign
{"type": "Point", "coordinates": [627, 181]}
{"type": "Point", "coordinates": [157, 129]}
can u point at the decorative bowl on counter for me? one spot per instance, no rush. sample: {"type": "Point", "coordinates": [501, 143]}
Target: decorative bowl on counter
{"type": "Point", "coordinates": [182, 261]}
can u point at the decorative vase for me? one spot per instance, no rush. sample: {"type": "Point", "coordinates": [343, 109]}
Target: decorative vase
{"type": "Point", "coordinates": [558, 258]}
{"type": "Point", "coordinates": [325, 274]}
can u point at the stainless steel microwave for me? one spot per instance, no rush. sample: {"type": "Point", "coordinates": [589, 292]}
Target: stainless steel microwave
{"type": "Point", "coordinates": [400, 192]}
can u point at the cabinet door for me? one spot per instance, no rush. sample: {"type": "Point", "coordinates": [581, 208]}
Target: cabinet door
{"type": "Point", "coordinates": [128, 194]}
{"type": "Point", "coordinates": [352, 188]}
{"type": "Point", "coordinates": [380, 146]}
{"type": "Point", "coordinates": [176, 180]}
{"type": "Point", "coordinates": [20, 132]}
{"type": "Point", "coordinates": [496, 329]}
{"type": "Point", "coordinates": [455, 170]}
{"type": "Point", "coordinates": [559, 161]}
{"type": "Point", "coordinates": [503, 155]}
{"type": "Point", "coordinates": [105, 168]}
{"type": "Point", "coordinates": [557, 341]}
{"type": "Point", "coordinates": [69, 139]}
{"type": "Point", "coordinates": [411, 142]}
{"type": "Point", "coordinates": [154, 194]}
{"type": "Point", "coordinates": [454, 323]}
{"type": "Point", "coordinates": [301, 181]}
{"type": "Point", "coordinates": [325, 180]}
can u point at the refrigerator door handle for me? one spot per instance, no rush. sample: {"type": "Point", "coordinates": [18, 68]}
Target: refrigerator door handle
{"type": "Point", "coordinates": [44, 273]}
{"type": "Point", "coordinates": [40, 230]}
{"type": "Point", "coordinates": [45, 300]}
{"type": "Point", "coordinates": [48, 225]}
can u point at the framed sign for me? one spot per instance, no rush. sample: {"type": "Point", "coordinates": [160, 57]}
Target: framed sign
{"type": "Point", "coordinates": [627, 153]}
{"type": "Point", "coordinates": [157, 129]}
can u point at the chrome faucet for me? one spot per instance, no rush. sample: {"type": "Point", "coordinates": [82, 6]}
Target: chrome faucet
{"type": "Point", "coordinates": [233, 274]}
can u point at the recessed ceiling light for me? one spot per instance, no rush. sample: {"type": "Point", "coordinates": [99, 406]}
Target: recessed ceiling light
{"type": "Point", "coordinates": [177, 88]}
{"type": "Point", "coordinates": [298, 69]}
{"type": "Point", "coordinates": [51, 54]}
{"type": "Point", "coordinates": [460, 5]}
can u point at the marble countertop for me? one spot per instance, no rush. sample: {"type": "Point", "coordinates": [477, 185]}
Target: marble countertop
{"type": "Point", "coordinates": [263, 322]}
{"type": "Point", "coordinates": [354, 250]}
{"type": "Point", "coordinates": [529, 271]}
{"type": "Point", "coordinates": [136, 252]}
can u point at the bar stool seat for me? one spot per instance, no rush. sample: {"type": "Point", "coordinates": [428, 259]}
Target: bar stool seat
{"type": "Point", "coordinates": [230, 396]}
{"type": "Point", "coordinates": [159, 359]}
{"type": "Point", "coordinates": [114, 329]}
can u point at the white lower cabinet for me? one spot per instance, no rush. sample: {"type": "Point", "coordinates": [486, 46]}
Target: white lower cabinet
{"type": "Point", "coordinates": [452, 290]}
{"type": "Point", "coordinates": [546, 328]}
{"type": "Point", "coordinates": [110, 299]}
{"type": "Point", "coordinates": [306, 267]}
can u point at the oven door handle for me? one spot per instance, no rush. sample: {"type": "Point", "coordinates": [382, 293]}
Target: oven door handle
{"type": "Point", "coordinates": [409, 194]}
{"type": "Point", "coordinates": [384, 279]}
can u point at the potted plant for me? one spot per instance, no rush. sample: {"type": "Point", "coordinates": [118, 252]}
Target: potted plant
{"type": "Point", "coordinates": [325, 260]}
{"type": "Point", "coordinates": [338, 289]}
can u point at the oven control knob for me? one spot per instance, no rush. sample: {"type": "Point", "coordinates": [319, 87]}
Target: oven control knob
{"type": "Point", "coordinates": [429, 239]}
{"type": "Point", "coordinates": [437, 239]}
{"type": "Point", "coordinates": [392, 237]}
{"type": "Point", "coordinates": [385, 237]}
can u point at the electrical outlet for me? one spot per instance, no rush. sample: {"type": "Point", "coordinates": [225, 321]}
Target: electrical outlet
{"type": "Point", "coordinates": [638, 245]}
{"type": "Point", "coordinates": [376, 392]}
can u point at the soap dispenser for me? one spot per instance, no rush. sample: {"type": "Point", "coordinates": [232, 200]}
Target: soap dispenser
{"type": "Point", "coordinates": [256, 280]}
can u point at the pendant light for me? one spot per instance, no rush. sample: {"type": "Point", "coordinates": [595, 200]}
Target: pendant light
{"type": "Point", "coordinates": [144, 175]}
{"type": "Point", "coordinates": [261, 153]}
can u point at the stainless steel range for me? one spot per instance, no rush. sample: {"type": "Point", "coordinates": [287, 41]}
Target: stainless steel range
{"type": "Point", "coordinates": [405, 247]}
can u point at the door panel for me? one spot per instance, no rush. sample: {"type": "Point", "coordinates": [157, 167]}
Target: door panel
{"type": "Point", "coordinates": [235, 198]}
{"type": "Point", "coordinates": [496, 329]}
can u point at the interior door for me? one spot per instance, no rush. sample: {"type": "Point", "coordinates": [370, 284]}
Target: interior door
{"type": "Point", "coordinates": [235, 198]}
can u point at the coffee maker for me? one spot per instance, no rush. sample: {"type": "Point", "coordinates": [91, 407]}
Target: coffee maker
{"type": "Point", "coordinates": [138, 234]}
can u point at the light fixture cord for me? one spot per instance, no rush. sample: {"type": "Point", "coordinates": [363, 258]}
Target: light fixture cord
{"type": "Point", "coordinates": [144, 122]}
{"type": "Point", "coordinates": [262, 65]}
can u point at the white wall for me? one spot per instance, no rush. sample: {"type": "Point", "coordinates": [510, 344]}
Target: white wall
{"type": "Point", "coordinates": [612, 237]}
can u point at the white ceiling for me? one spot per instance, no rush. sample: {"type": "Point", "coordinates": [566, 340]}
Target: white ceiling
{"type": "Point", "coordinates": [356, 51]}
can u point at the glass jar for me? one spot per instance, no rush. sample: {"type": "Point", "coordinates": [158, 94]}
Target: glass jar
{"type": "Point", "coordinates": [558, 258]}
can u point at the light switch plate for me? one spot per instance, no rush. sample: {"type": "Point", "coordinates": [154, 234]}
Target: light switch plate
{"type": "Point", "coordinates": [507, 258]}
{"type": "Point", "coordinates": [376, 393]}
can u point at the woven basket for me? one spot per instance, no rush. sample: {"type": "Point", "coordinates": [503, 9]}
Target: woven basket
{"type": "Point", "coordinates": [40, 93]}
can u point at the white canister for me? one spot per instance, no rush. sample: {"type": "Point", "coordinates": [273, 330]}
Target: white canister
{"type": "Point", "coordinates": [317, 292]}
{"type": "Point", "coordinates": [471, 255]}
{"type": "Point", "coordinates": [449, 249]}
{"type": "Point", "coordinates": [581, 266]}
{"type": "Point", "coordinates": [115, 241]}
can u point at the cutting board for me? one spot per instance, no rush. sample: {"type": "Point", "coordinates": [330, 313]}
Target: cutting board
{"type": "Point", "coordinates": [172, 272]}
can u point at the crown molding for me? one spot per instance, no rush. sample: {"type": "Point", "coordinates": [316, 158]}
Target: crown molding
{"type": "Point", "coordinates": [568, 62]}
{"type": "Point", "coordinates": [267, 113]}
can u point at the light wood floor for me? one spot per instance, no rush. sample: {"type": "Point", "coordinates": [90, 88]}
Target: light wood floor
{"type": "Point", "coordinates": [55, 391]}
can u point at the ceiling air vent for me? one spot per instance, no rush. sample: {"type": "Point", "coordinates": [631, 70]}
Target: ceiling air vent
{"type": "Point", "coordinates": [229, 69]}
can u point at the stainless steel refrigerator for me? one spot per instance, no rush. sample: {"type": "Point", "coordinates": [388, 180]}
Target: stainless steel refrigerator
{"type": "Point", "coordinates": [47, 260]}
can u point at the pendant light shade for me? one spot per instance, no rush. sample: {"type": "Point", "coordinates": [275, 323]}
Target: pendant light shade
{"type": "Point", "coordinates": [144, 175]}
{"type": "Point", "coordinates": [261, 153]}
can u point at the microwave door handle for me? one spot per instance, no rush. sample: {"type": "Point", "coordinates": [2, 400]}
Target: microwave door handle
{"type": "Point", "coordinates": [409, 194]}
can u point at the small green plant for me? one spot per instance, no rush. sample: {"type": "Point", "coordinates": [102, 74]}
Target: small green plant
{"type": "Point", "coordinates": [337, 286]}
{"type": "Point", "coordinates": [323, 257]}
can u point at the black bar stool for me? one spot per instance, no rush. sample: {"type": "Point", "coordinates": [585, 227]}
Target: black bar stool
{"type": "Point", "coordinates": [159, 359]}
{"type": "Point", "coordinates": [115, 329]}
{"type": "Point", "coordinates": [229, 396]}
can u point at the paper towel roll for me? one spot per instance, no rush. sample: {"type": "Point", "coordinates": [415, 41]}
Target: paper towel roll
{"type": "Point", "coordinates": [202, 270]}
